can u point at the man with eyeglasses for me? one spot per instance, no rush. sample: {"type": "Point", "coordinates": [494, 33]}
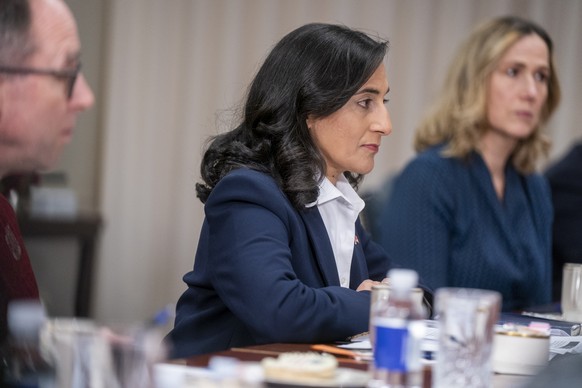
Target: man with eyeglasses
{"type": "Point", "coordinates": [41, 93]}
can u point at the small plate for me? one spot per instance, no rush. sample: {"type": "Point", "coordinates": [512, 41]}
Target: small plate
{"type": "Point", "coordinates": [344, 377]}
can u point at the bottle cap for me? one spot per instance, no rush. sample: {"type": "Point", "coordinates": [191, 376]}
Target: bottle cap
{"type": "Point", "coordinates": [402, 278]}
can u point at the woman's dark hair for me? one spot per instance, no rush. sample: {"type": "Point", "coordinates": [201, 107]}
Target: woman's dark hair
{"type": "Point", "coordinates": [313, 71]}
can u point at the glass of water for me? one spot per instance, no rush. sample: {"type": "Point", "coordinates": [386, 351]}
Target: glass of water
{"type": "Point", "coordinates": [466, 320]}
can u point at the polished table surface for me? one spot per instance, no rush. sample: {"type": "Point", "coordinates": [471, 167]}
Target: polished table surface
{"type": "Point", "coordinates": [258, 352]}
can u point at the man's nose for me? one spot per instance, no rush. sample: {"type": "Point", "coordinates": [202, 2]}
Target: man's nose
{"type": "Point", "coordinates": [82, 97]}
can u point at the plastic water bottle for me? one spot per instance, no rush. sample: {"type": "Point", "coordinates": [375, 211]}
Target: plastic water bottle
{"type": "Point", "coordinates": [23, 364]}
{"type": "Point", "coordinates": [399, 329]}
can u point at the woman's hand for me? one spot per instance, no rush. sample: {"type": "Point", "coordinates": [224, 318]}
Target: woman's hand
{"type": "Point", "coordinates": [367, 284]}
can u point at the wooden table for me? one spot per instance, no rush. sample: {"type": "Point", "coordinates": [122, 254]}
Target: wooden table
{"type": "Point", "coordinates": [258, 352]}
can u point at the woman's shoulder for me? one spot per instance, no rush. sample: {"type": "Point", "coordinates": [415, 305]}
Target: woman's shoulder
{"type": "Point", "coordinates": [248, 174]}
{"type": "Point", "coordinates": [245, 184]}
{"type": "Point", "coordinates": [243, 179]}
{"type": "Point", "coordinates": [432, 164]}
{"type": "Point", "coordinates": [538, 184]}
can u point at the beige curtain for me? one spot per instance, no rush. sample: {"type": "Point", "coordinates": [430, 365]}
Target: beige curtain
{"type": "Point", "coordinates": [176, 70]}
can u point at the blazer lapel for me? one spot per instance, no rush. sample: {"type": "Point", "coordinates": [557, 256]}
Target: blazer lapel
{"type": "Point", "coordinates": [321, 246]}
{"type": "Point", "coordinates": [359, 269]}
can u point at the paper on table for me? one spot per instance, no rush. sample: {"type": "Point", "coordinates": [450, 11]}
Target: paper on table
{"type": "Point", "coordinates": [358, 345]}
{"type": "Point", "coordinates": [565, 344]}
{"type": "Point", "coordinates": [556, 321]}
{"type": "Point", "coordinates": [429, 343]}
{"type": "Point", "coordinates": [560, 341]}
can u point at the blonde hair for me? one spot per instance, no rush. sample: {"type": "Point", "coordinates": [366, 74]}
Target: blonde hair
{"type": "Point", "coordinates": [459, 117]}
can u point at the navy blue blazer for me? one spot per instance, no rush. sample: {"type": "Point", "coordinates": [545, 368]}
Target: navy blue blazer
{"type": "Point", "coordinates": [265, 272]}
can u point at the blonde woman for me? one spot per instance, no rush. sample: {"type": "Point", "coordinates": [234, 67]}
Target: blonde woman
{"type": "Point", "coordinates": [470, 210]}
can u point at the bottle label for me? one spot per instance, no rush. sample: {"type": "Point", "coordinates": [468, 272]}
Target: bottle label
{"type": "Point", "coordinates": [392, 349]}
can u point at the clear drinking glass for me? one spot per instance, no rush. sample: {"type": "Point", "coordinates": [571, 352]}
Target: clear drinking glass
{"type": "Point", "coordinates": [466, 327]}
{"type": "Point", "coordinates": [572, 292]}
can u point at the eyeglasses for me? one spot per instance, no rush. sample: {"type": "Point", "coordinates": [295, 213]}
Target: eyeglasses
{"type": "Point", "coordinates": [68, 75]}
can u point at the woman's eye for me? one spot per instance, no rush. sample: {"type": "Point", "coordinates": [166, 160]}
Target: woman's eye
{"type": "Point", "coordinates": [365, 103]}
{"type": "Point", "coordinates": [512, 72]}
{"type": "Point", "coordinates": [541, 77]}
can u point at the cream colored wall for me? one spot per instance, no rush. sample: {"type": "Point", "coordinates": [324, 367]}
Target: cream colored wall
{"type": "Point", "coordinates": [81, 160]}
{"type": "Point", "coordinates": [166, 70]}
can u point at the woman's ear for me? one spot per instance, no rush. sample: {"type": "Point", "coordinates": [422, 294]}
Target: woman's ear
{"type": "Point", "coordinates": [310, 121]}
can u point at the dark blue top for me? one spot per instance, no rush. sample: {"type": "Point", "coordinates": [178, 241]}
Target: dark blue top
{"type": "Point", "coordinates": [265, 272]}
{"type": "Point", "coordinates": [565, 177]}
{"type": "Point", "coordinates": [445, 220]}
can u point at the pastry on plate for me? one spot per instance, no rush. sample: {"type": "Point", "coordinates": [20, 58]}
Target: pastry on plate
{"type": "Point", "coordinates": [300, 366]}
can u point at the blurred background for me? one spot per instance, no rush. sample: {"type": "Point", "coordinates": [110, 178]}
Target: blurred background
{"type": "Point", "coordinates": [167, 74]}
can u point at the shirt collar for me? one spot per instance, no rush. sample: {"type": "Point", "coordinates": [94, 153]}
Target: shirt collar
{"type": "Point", "coordinates": [343, 189]}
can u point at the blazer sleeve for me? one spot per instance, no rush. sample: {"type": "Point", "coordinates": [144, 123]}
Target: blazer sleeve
{"type": "Point", "coordinates": [256, 247]}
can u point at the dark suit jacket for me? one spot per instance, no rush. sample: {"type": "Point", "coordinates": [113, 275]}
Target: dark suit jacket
{"type": "Point", "coordinates": [565, 178]}
{"type": "Point", "coordinates": [265, 273]}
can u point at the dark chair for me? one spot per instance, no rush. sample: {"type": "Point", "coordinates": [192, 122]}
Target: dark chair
{"type": "Point", "coordinates": [376, 201]}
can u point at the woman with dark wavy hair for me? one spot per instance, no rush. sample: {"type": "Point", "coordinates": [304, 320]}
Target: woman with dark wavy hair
{"type": "Point", "coordinates": [282, 256]}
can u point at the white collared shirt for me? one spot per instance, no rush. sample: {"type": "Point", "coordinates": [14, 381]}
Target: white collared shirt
{"type": "Point", "coordinates": [339, 207]}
